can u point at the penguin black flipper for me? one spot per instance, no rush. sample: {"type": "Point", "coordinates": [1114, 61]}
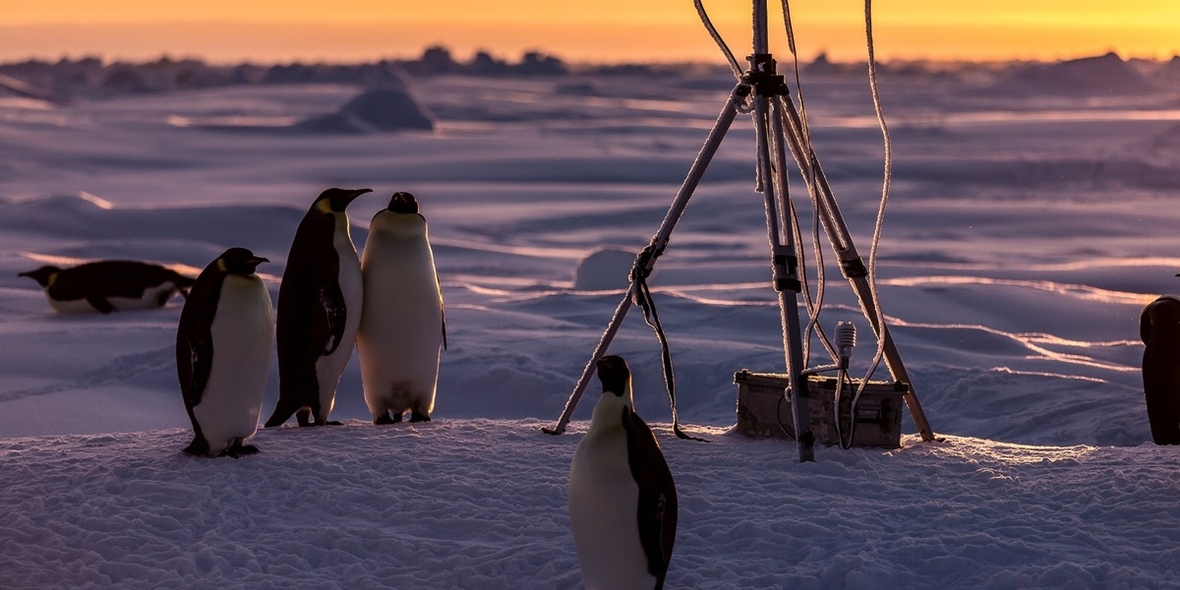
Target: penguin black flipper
{"type": "Point", "coordinates": [657, 495]}
{"type": "Point", "coordinates": [194, 339]}
{"type": "Point", "coordinates": [100, 303]}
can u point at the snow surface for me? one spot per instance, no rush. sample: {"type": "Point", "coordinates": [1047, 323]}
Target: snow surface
{"type": "Point", "coordinates": [1025, 233]}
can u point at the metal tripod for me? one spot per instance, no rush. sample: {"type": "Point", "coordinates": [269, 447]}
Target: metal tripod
{"type": "Point", "coordinates": [779, 129]}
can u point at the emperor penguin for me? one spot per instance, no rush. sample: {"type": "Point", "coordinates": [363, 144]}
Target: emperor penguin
{"type": "Point", "coordinates": [622, 501]}
{"type": "Point", "coordinates": [1159, 327]}
{"type": "Point", "coordinates": [319, 311]}
{"type": "Point", "coordinates": [223, 347]}
{"type": "Point", "coordinates": [109, 285]}
{"type": "Point", "coordinates": [402, 328]}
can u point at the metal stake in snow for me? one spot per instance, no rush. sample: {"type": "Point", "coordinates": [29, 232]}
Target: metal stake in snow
{"type": "Point", "coordinates": [779, 129]}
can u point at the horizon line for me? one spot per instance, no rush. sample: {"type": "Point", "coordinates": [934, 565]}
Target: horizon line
{"type": "Point", "coordinates": [575, 43]}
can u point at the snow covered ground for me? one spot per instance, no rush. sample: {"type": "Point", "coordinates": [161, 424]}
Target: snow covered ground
{"type": "Point", "coordinates": [1027, 227]}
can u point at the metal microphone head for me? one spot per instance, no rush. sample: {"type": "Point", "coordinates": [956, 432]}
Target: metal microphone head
{"type": "Point", "coordinates": [845, 341]}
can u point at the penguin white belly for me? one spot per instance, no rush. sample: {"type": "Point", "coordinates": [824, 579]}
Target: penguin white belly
{"type": "Point", "coordinates": [74, 306]}
{"type": "Point", "coordinates": [604, 506]}
{"type": "Point", "coordinates": [328, 368]}
{"type": "Point", "coordinates": [400, 335]}
{"type": "Point", "coordinates": [150, 300]}
{"type": "Point", "coordinates": [243, 334]}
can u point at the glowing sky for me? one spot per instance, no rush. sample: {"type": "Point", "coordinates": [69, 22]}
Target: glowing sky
{"type": "Point", "coordinates": [579, 30]}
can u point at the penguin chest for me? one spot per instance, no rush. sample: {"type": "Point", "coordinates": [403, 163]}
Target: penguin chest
{"type": "Point", "coordinates": [603, 509]}
{"type": "Point", "coordinates": [400, 335]}
{"type": "Point", "coordinates": [242, 336]}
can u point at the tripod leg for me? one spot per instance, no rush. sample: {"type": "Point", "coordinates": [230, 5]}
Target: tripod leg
{"type": "Point", "coordinates": [850, 261]}
{"type": "Point", "coordinates": [772, 176]}
{"type": "Point", "coordinates": [658, 243]}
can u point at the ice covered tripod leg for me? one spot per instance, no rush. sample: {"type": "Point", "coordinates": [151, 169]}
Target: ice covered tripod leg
{"type": "Point", "coordinates": [851, 264]}
{"type": "Point", "coordinates": [768, 88]}
{"type": "Point", "coordinates": [647, 258]}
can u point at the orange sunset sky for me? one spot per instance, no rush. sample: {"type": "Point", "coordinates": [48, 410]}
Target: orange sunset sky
{"type": "Point", "coordinates": [599, 31]}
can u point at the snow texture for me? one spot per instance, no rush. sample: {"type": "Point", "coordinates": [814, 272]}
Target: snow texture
{"type": "Point", "coordinates": [1026, 230]}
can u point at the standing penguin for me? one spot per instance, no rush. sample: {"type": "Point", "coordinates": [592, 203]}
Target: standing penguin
{"type": "Point", "coordinates": [223, 348]}
{"type": "Point", "coordinates": [622, 500]}
{"type": "Point", "coordinates": [109, 285]}
{"type": "Point", "coordinates": [319, 310]}
{"type": "Point", "coordinates": [402, 326]}
{"type": "Point", "coordinates": [1159, 327]}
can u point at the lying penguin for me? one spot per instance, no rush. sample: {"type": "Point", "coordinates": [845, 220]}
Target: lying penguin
{"type": "Point", "coordinates": [109, 285]}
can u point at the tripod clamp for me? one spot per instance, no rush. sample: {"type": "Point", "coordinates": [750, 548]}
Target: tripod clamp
{"type": "Point", "coordinates": [763, 77]}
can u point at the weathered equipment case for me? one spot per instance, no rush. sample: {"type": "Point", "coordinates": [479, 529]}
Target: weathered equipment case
{"type": "Point", "coordinates": [764, 410]}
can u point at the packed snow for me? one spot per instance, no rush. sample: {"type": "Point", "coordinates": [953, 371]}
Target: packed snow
{"type": "Point", "coordinates": [1027, 227]}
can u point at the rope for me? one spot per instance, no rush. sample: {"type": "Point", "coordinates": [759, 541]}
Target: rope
{"type": "Point", "coordinates": [813, 305]}
{"type": "Point", "coordinates": [643, 298]}
{"type": "Point", "coordinates": [733, 62]}
{"type": "Point", "coordinates": [884, 198]}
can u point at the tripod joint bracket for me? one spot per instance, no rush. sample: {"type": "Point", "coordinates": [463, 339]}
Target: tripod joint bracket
{"type": "Point", "coordinates": [763, 76]}
{"type": "Point", "coordinates": [853, 268]}
{"type": "Point", "coordinates": [786, 265]}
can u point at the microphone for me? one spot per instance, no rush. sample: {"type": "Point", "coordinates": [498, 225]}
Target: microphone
{"type": "Point", "coordinates": [845, 340]}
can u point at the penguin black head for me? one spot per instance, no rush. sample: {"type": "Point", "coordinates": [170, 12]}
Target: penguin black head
{"type": "Point", "coordinates": [239, 261]}
{"type": "Point", "coordinates": [42, 275]}
{"type": "Point", "coordinates": [403, 203]}
{"type": "Point", "coordinates": [614, 374]}
{"type": "Point", "coordinates": [335, 200]}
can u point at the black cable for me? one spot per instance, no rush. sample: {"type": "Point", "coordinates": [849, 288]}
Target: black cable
{"type": "Point", "coordinates": [644, 299]}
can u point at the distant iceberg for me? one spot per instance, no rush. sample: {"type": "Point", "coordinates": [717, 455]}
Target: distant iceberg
{"type": "Point", "coordinates": [374, 111]}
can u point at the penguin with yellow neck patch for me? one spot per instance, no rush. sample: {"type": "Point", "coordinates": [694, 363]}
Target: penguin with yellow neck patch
{"type": "Point", "coordinates": [622, 500]}
{"type": "Point", "coordinates": [109, 285]}
{"type": "Point", "coordinates": [319, 311]}
{"type": "Point", "coordinates": [223, 348]}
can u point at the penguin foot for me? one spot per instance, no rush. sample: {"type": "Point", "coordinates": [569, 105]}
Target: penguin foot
{"type": "Point", "coordinates": [416, 417]}
{"type": "Point", "coordinates": [197, 447]}
{"type": "Point", "coordinates": [239, 450]}
{"type": "Point", "coordinates": [304, 417]}
{"type": "Point", "coordinates": [384, 419]}
{"type": "Point", "coordinates": [333, 423]}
